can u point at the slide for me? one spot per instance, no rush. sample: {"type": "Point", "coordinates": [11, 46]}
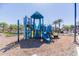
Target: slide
{"type": "Point", "coordinates": [46, 37]}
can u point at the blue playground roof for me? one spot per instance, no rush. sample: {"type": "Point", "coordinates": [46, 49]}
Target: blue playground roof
{"type": "Point", "coordinates": [37, 15]}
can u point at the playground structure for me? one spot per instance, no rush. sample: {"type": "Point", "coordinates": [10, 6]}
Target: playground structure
{"type": "Point", "coordinates": [33, 31]}
{"type": "Point", "coordinates": [36, 31]}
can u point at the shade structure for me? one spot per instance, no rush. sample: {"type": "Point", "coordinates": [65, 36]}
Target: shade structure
{"type": "Point", "coordinates": [36, 15]}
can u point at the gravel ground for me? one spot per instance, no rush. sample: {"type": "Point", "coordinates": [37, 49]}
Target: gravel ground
{"type": "Point", "coordinates": [61, 47]}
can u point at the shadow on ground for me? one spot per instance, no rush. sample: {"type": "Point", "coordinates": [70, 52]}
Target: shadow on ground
{"type": "Point", "coordinates": [32, 43]}
{"type": "Point", "coordinates": [9, 46]}
{"type": "Point", "coordinates": [23, 44]}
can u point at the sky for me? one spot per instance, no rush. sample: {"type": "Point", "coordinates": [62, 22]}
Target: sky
{"type": "Point", "coordinates": [10, 13]}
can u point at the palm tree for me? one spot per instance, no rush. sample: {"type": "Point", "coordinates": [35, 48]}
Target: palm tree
{"type": "Point", "coordinates": [55, 23]}
{"type": "Point", "coordinates": [59, 23]}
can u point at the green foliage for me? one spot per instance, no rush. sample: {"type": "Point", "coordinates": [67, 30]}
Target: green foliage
{"type": "Point", "coordinates": [9, 34]}
{"type": "Point", "coordinates": [10, 29]}
{"type": "Point", "coordinates": [4, 26]}
{"type": "Point", "coordinates": [21, 27]}
{"type": "Point", "coordinates": [68, 27]}
{"type": "Point", "coordinates": [59, 23]}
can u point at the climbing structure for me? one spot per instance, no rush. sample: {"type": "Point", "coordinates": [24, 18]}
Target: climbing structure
{"type": "Point", "coordinates": [37, 29]}
{"type": "Point", "coordinates": [32, 30]}
{"type": "Point", "coordinates": [27, 27]}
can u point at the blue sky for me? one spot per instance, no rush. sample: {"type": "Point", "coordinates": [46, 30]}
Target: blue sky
{"type": "Point", "coordinates": [10, 13]}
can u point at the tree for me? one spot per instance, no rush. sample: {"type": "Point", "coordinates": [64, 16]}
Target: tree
{"type": "Point", "coordinates": [12, 28]}
{"type": "Point", "coordinates": [55, 23]}
{"type": "Point", "coordinates": [67, 27]}
{"type": "Point", "coordinates": [4, 26]}
{"type": "Point", "coordinates": [59, 23]}
{"type": "Point", "coordinates": [21, 27]}
{"type": "Point", "coordinates": [71, 26]}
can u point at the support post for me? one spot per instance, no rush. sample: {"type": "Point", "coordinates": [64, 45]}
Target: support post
{"type": "Point", "coordinates": [75, 14]}
{"type": "Point", "coordinates": [41, 26]}
{"type": "Point", "coordinates": [18, 29]}
{"type": "Point", "coordinates": [25, 27]}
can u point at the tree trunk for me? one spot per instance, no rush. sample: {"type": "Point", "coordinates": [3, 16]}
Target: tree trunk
{"type": "Point", "coordinates": [3, 28]}
{"type": "Point", "coordinates": [55, 27]}
{"type": "Point", "coordinates": [59, 27]}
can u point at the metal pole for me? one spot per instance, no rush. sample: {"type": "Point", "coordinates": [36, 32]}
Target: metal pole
{"type": "Point", "coordinates": [75, 14]}
{"type": "Point", "coordinates": [18, 29]}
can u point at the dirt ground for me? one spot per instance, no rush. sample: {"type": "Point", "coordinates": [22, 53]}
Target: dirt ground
{"type": "Point", "coordinates": [63, 46]}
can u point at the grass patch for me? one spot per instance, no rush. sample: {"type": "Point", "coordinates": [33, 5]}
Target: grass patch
{"type": "Point", "coordinates": [9, 34]}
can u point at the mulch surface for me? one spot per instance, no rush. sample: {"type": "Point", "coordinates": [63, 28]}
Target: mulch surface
{"type": "Point", "coordinates": [63, 46]}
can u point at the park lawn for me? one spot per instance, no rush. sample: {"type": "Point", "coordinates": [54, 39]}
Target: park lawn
{"type": "Point", "coordinates": [9, 34]}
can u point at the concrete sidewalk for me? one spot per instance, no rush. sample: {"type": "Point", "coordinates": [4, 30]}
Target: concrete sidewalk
{"type": "Point", "coordinates": [77, 48]}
